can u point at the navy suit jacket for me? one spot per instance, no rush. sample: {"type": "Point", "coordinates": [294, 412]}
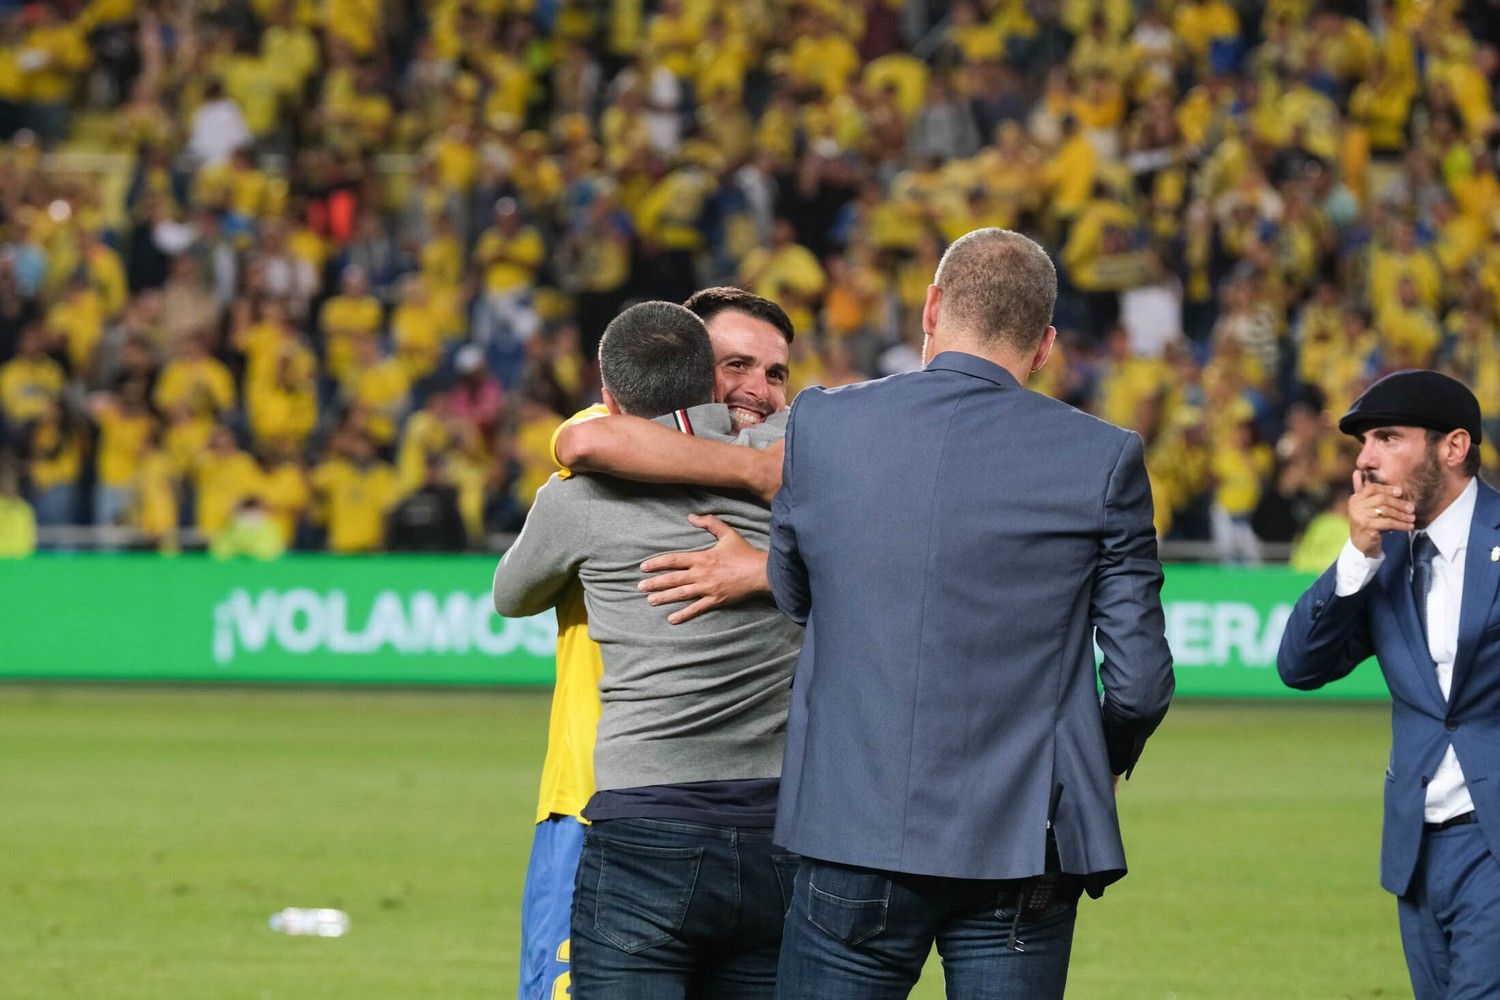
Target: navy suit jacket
{"type": "Point", "coordinates": [952, 541]}
{"type": "Point", "coordinates": [1328, 636]}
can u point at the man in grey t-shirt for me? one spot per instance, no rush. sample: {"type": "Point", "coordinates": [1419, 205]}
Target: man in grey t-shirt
{"type": "Point", "coordinates": [678, 887]}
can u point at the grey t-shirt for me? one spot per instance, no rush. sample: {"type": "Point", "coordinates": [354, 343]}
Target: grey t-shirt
{"type": "Point", "coordinates": [702, 701]}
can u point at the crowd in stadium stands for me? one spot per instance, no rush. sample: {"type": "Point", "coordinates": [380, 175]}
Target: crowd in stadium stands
{"type": "Point", "coordinates": [350, 255]}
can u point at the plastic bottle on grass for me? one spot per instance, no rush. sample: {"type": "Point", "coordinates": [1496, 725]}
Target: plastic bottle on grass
{"type": "Point", "coordinates": [314, 922]}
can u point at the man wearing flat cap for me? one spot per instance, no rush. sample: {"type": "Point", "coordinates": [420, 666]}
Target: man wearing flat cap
{"type": "Point", "coordinates": [1416, 587]}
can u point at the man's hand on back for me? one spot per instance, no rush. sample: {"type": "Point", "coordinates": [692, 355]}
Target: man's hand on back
{"type": "Point", "coordinates": [730, 571]}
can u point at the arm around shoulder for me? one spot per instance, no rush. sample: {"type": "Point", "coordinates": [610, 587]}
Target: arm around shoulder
{"type": "Point", "coordinates": [645, 451]}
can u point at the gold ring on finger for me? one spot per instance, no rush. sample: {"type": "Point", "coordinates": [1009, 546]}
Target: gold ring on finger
{"type": "Point", "coordinates": [1380, 512]}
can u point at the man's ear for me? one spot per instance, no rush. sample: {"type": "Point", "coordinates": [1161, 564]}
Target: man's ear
{"type": "Point", "coordinates": [1456, 447]}
{"type": "Point", "coordinates": [930, 310]}
{"type": "Point", "coordinates": [929, 321]}
{"type": "Point", "coordinates": [1044, 349]}
{"type": "Point", "coordinates": [609, 402]}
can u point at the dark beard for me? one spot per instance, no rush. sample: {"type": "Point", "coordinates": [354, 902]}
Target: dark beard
{"type": "Point", "coordinates": [1426, 485]}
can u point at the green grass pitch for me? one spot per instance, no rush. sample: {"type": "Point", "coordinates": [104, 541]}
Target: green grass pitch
{"type": "Point", "coordinates": [148, 834]}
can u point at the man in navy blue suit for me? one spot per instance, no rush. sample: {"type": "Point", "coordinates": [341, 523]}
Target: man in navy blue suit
{"type": "Point", "coordinates": [955, 543]}
{"type": "Point", "coordinates": [1415, 586]}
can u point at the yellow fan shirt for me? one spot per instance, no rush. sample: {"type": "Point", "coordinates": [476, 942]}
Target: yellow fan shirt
{"type": "Point", "coordinates": [203, 382]}
{"type": "Point", "coordinates": [286, 494]}
{"type": "Point", "coordinates": [343, 318]}
{"type": "Point", "coordinates": [120, 438]}
{"type": "Point", "coordinates": [282, 412]}
{"type": "Point", "coordinates": [27, 387]}
{"type": "Point", "coordinates": [383, 388]}
{"type": "Point", "coordinates": [357, 502]}
{"type": "Point", "coordinates": [221, 483]}
{"type": "Point", "coordinates": [57, 457]}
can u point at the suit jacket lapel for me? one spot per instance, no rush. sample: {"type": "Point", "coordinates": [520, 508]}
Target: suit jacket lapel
{"type": "Point", "coordinates": [1398, 585]}
{"type": "Point", "coordinates": [1398, 588]}
{"type": "Point", "coordinates": [1481, 580]}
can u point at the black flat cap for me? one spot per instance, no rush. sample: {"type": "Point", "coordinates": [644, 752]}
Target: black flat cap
{"type": "Point", "coordinates": [1415, 398]}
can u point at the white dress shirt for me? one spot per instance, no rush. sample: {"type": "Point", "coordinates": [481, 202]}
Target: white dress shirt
{"type": "Point", "coordinates": [1447, 792]}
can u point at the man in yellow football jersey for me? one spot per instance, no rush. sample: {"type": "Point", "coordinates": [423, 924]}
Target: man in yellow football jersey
{"type": "Point", "coordinates": [225, 476]}
{"type": "Point", "coordinates": [751, 338]}
{"type": "Point", "coordinates": [30, 382]}
{"type": "Point", "coordinates": [510, 253]}
{"type": "Point", "coordinates": [124, 422]}
{"type": "Point", "coordinates": [355, 491]}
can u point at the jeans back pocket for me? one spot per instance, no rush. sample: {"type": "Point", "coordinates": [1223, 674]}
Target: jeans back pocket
{"type": "Point", "coordinates": [643, 892]}
{"type": "Point", "coordinates": [848, 904]}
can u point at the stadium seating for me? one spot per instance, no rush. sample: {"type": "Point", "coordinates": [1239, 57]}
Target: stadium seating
{"type": "Point", "coordinates": [289, 259]}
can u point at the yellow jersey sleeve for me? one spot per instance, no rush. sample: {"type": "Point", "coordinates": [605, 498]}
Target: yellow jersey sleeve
{"type": "Point", "coordinates": [568, 770]}
{"type": "Point", "coordinates": [563, 472]}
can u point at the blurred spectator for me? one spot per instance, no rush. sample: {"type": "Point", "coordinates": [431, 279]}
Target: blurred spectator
{"type": "Point", "coordinates": [249, 531]}
{"type": "Point", "coordinates": [284, 487]}
{"type": "Point", "coordinates": [510, 253]}
{"type": "Point", "coordinates": [476, 397]}
{"type": "Point", "coordinates": [420, 328]}
{"type": "Point", "coordinates": [223, 478]}
{"type": "Point", "coordinates": [125, 422]}
{"type": "Point", "coordinates": [17, 521]}
{"type": "Point", "coordinates": [30, 382]}
{"type": "Point", "coordinates": [353, 491]}
{"type": "Point", "coordinates": [378, 386]}
{"type": "Point", "coordinates": [218, 128]}
{"type": "Point", "coordinates": [1239, 464]}
{"type": "Point", "coordinates": [188, 304]}
{"type": "Point", "coordinates": [596, 261]}
{"type": "Point", "coordinates": [156, 493]}
{"type": "Point", "coordinates": [413, 221]}
{"type": "Point", "coordinates": [53, 446]}
{"type": "Point", "coordinates": [428, 519]}
{"type": "Point", "coordinates": [1320, 544]}
{"type": "Point", "coordinates": [51, 54]}
{"type": "Point", "coordinates": [786, 273]}
{"type": "Point", "coordinates": [196, 379]}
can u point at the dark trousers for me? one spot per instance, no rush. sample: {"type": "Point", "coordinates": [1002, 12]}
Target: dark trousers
{"type": "Point", "coordinates": [668, 910]}
{"type": "Point", "coordinates": [859, 934]}
{"type": "Point", "coordinates": [1450, 917]}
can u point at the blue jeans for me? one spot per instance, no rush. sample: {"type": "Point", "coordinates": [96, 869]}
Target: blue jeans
{"type": "Point", "coordinates": [860, 934]}
{"type": "Point", "coordinates": [666, 910]}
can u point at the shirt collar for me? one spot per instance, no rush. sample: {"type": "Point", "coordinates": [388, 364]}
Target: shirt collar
{"type": "Point", "coordinates": [704, 420]}
{"type": "Point", "coordinates": [1449, 531]}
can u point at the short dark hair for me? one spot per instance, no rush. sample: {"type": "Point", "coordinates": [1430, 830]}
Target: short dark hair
{"type": "Point", "coordinates": [655, 357]}
{"type": "Point", "coordinates": [998, 286]}
{"type": "Point", "coordinates": [709, 302]}
{"type": "Point", "coordinates": [1471, 460]}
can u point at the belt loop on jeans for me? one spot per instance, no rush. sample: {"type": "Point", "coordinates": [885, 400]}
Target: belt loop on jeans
{"type": "Point", "coordinates": [1462, 819]}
